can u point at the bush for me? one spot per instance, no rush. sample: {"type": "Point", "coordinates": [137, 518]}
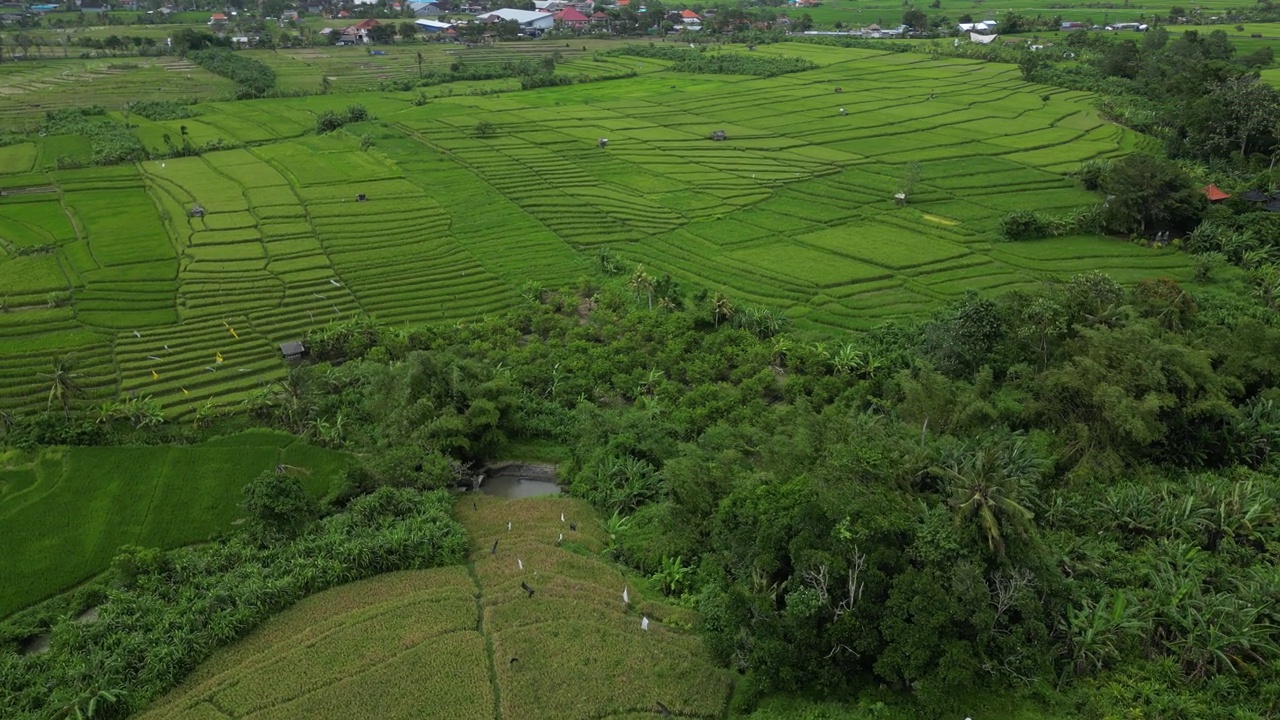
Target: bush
{"type": "Point", "coordinates": [529, 82]}
{"type": "Point", "coordinates": [696, 61]}
{"type": "Point", "coordinates": [110, 142]}
{"type": "Point", "coordinates": [160, 110]}
{"type": "Point", "coordinates": [329, 120]}
{"type": "Point", "coordinates": [1091, 172]}
{"type": "Point", "coordinates": [1024, 225]}
{"type": "Point", "coordinates": [254, 78]}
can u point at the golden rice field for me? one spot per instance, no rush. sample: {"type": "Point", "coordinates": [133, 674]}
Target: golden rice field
{"type": "Point", "coordinates": [465, 643]}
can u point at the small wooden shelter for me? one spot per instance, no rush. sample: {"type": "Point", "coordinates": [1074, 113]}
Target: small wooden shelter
{"type": "Point", "coordinates": [1214, 193]}
{"type": "Point", "coordinates": [294, 350]}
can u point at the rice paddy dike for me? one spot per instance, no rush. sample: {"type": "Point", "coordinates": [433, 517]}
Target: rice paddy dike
{"type": "Point", "coordinates": [470, 642]}
{"type": "Point", "coordinates": [795, 210]}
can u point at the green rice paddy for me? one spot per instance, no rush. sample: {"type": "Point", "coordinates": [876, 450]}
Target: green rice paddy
{"type": "Point", "coordinates": [795, 210]}
{"type": "Point", "coordinates": [65, 511]}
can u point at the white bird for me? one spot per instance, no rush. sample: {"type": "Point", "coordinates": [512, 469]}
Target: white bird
{"type": "Point", "coordinates": [335, 283]}
{"type": "Point", "coordinates": [626, 599]}
{"type": "Point", "coordinates": [644, 622]}
{"type": "Point", "coordinates": [561, 517]}
{"type": "Point", "coordinates": [320, 296]}
{"type": "Point", "coordinates": [210, 369]}
{"type": "Point", "coordinates": [508, 526]}
{"type": "Point", "coordinates": [520, 563]}
{"type": "Point", "coordinates": [137, 334]}
{"type": "Point", "coordinates": [152, 357]}
{"type": "Point", "coordinates": [560, 539]}
{"type": "Point", "coordinates": [166, 347]}
{"type": "Point", "coordinates": [162, 166]}
{"type": "Point", "coordinates": [243, 370]}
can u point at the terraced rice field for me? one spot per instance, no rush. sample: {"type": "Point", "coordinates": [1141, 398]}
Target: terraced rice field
{"type": "Point", "coordinates": [467, 642]}
{"type": "Point", "coordinates": [29, 89]}
{"type": "Point", "coordinates": [795, 210]}
{"type": "Point", "coordinates": [66, 511]}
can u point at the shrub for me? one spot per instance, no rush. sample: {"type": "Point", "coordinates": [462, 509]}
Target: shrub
{"type": "Point", "coordinates": [160, 109]}
{"type": "Point", "coordinates": [254, 78]}
{"type": "Point", "coordinates": [329, 120]}
{"type": "Point", "coordinates": [696, 61]}
{"type": "Point", "coordinates": [1024, 225]}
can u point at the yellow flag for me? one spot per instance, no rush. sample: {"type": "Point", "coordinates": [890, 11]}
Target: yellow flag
{"type": "Point", "coordinates": [234, 334]}
{"type": "Point", "coordinates": [217, 357]}
{"type": "Point", "coordinates": [155, 375]}
{"type": "Point", "coordinates": [185, 391]}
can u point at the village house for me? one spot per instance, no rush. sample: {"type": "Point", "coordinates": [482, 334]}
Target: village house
{"type": "Point", "coordinates": [425, 9]}
{"type": "Point", "coordinates": [433, 27]}
{"type": "Point", "coordinates": [358, 34]}
{"type": "Point", "coordinates": [217, 20]}
{"type": "Point", "coordinates": [571, 18]}
{"type": "Point", "coordinates": [689, 17]}
{"type": "Point", "coordinates": [528, 20]}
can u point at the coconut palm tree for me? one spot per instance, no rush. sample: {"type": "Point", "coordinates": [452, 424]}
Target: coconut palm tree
{"type": "Point", "coordinates": [63, 384]}
{"type": "Point", "coordinates": [991, 484]}
{"type": "Point", "coordinates": [721, 308]}
{"type": "Point", "coordinates": [642, 284]}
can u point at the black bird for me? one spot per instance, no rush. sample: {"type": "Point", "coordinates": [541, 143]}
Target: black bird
{"type": "Point", "coordinates": [573, 527]}
{"type": "Point", "coordinates": [513, 661]}
{"type": "Point", "coordinates": [494, 549]}
{"type": "Point", "coordinates": [663, 709]}
{"type": "Point", "coordinates": [525, 586]}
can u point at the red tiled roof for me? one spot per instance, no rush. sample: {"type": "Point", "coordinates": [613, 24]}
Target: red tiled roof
{"type": "Point", "coordinates": [366, 24]}
{"type": "Point", "coordinates": [570, 15]}
{"type": "Point", "coordinates": [689, 14]}
{"type": "Point", "coordinates": [344, 13]}
{"type": "Point", "coordinates": [217, 16]}
{"type": "Point", "coordinates": [599, 15]}
{"type": "Point", "coordinates": [1214, 194]}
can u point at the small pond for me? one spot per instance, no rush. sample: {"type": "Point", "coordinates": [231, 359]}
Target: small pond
{"type": "Point", "coordinates": [520, 480]}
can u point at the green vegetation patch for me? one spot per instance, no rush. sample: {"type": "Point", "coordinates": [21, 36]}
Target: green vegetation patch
{"type": "Point", "coordinates": [808, 265]}
{"type": "Point", "coordinates": [89, 501]}
{"type": "Point", "coordinates": [17, 158]}
{"type": "Point", "coordinates": [884, 245]}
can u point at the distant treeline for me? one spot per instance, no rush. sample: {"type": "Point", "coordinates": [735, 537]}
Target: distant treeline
{"type": "Point", "coordinates": [700, 61]}
{"type": "Point", "coordinates": [254, 78]}
{"type": "Point", "coordinates": [531, 75]}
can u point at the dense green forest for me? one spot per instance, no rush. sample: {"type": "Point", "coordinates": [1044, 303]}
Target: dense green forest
{"type": "Point", "coordinates": [1066, 490]}
{"type": "Point", "coordinates": [1066, 495]}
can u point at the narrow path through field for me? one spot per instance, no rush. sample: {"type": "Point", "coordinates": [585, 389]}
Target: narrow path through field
{"type": "Point", "coordinates": [488, 642]}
